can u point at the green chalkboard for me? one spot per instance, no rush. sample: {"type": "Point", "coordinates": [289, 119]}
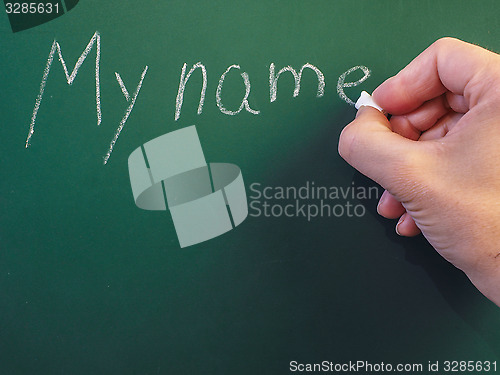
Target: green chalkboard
{"type": "Point", "coordinates": [90, 283]}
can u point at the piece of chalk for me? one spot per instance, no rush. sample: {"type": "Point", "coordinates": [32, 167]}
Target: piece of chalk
{"type": "Point", "coordinates": [366, 99]}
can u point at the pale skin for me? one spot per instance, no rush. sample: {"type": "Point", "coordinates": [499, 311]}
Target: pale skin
{"type": "Point", "coordinates": [439, 155]}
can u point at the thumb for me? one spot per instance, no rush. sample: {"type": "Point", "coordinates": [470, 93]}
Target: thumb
{"type": "Point", "coordinates": [370, 146]}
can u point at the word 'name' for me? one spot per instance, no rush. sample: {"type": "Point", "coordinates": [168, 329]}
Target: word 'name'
{"type": "Point", "coordinates": [184, 78]}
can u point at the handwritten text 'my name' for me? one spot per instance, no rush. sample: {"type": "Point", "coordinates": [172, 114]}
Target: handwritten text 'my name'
{"type": "Point", "coordinates": [184, 78]}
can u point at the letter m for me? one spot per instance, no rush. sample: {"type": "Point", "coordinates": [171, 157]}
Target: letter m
{"type": "Point", "coordinates": [96, 39]}
{"type": "Point", "coordinates": [273, 80]}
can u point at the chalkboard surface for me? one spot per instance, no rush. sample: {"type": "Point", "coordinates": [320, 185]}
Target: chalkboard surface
{"type": "Point", "coordinates": [90, 283]}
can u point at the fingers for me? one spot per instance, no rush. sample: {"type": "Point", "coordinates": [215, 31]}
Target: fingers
{"type": "Point", "coordinates": [457, 102]}
{"type": "Point", "coordinates": [427, 100]}
{"type": "Point", "coordinates": [406, 226]}
{"type": "Point", "coordinates": [447, 65]}
{"type": "Point", "coordinates": [441, 127]}
{"type": "Point", "coordinates": [412, 125]}
{"type": "Point", "coordinates": [389, 207]}
{"type": "Point", "coordinates": [370, 146]}
{"type": "Point", "coordinates": [435, 117]}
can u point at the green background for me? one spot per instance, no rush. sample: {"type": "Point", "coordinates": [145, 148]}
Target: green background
{"type": "Point", "coordinates": [90, 284]}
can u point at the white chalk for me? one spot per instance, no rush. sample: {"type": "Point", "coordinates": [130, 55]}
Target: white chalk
{"type": "Point", "coordinates": [366, 99]}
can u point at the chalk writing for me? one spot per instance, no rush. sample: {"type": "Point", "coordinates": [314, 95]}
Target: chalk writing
{"type": "Point", "coordinates": [182, 86]}
{"type": "Point", "coordinates": [96, 38]}
{"type": "Point", "coordinates": [127, 112]}
{"type": "Point", "coordinates": [273, 80]}
{"type": "Point", "coordinates": [184, 78]}
{"type": "Point", "coordinates": [244, 102]}
{"type": "Point", "coordinates": [341, 84]}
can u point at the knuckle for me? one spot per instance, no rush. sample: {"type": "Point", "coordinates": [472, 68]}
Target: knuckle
{"type": "Point", "coordinates": [346, 142]}
{"type": "Point", "coordinates": [446, 42]}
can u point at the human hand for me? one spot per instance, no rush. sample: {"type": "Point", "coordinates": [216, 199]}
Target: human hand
{"type": "Point", "coordinates": [439, 155]}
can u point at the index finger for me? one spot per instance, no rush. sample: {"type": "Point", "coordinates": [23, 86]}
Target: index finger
{"type": "Point", "coordinates": [447, 65]}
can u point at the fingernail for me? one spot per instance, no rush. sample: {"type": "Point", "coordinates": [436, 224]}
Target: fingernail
{"type": "Point", "coordinates": [381, 202]}
{"type": "Point", "coordinates": [401, 219]}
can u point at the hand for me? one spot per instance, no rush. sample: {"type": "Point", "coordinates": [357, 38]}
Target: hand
{"type": "Point", "coordinates": [439, 155]}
